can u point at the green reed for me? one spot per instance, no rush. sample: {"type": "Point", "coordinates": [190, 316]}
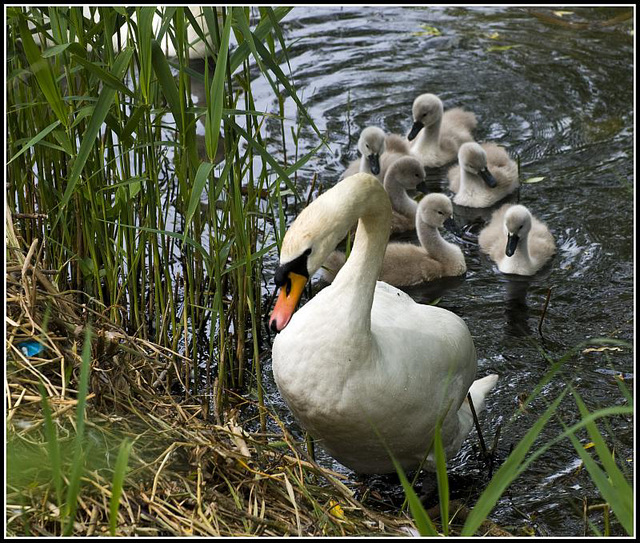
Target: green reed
{"type": "Point", "coordinates": [608, 475]}
{"type": "Point", "coordinates": [163, 231]}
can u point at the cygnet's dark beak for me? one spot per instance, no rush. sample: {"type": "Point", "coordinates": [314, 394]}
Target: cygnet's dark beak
{"type": "Point", "coordinates": [417, 126]}
{"type": "Point", "coordinates": [512, 243]}
{"type": "Point", "coordinates": [423, 187]}
{"type": "Point", "coordinates": [488, 178]}
{"type": "Point", "coordinates": [374, 163]}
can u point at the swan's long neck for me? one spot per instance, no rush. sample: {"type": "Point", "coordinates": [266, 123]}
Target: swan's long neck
{"type": "Point", "coordinates": [429, 138]}
{"type": "Point", "coordinates": [365, 166]}
{"type": "Point", "coordinates": [465, 179]}
{"type": "Point", "coordinates": [400, 200]}
{"type": "Point", "coordinates": [433, 242]}
{"type": "Point", "coordinates": [356, 281]}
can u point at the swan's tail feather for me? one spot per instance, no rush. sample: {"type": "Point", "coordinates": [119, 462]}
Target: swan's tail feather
{"type": "Point", "coordinates": [479, 390]}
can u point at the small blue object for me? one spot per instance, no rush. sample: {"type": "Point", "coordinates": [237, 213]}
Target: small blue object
{"type": "Point", "coordinates": [31, 348]}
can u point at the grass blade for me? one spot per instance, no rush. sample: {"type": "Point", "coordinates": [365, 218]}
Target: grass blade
{"type": "Point", "coordinates": [73, 490]}
{"type": "Point", "coordinates": [198, 186]}
{"type": "Point", "coordinates": [43, 73]}
{"type": "Point", "coordinates": [443, 480]}
{"type": "Point", "coordinates": [613, 486]}
{"type": "Point", "coordinates": [35, 140]}
{"type": "Point", "coordinates": [53, 444]}
{"type": "Point", "coordinates": [423, 522]}
{"type": "Point", "coordinates": [118, 481]}
{"type": "Point", "coordinates": [508, 472]}
{"type": "Point", "coordinates": [100, 112]}
{"type": "Point", "coordinates": [216, 95]}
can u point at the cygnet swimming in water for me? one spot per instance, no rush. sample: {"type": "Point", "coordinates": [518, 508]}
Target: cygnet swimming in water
{"type": "Point", "coordinates": [485, 175]}
{"type": "Point", "coordinates": [438, 134]}
{"type": "Point", "coordinates": [371, 144]}
{"type": "Point", "coordinates": [406, 264]}
{"type": "Point", "coordinates": [516, 241]}
{"type": "Point", "coordinates": [377, 152]}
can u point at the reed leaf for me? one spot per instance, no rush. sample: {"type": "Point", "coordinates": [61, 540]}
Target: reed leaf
{"type": "Point", "coordinates": [79, 451]}
{"type": "Point", "coordinates": [105, 101]}
{"type": "Point", "coordinates": [423, 522]}
{"type": "Point", "coordinates": [34, 140]}
{"type": "Point", "coordinates": [43, 73]}
{"type": "Point", "coordinates": [216, 95]}
{"type": "Point", "coordinates": [117, 484]}
{"type": "Point", "coordinates": [508, 472]}
{"type": "Point", "coordinates": [265, 26]}
{"type": "Point", "coordinates": [441, 474]}
{"type": "Point", "coordinates": [611, 482]}
{"type": "Point", "coordinates": [104, 76]}
{"type": "Point", "coordinates": [53, 445]}
{"type": "Point", "coordinates": [167, 83]}
{"type": "Point", "coordinates": [198, 186]}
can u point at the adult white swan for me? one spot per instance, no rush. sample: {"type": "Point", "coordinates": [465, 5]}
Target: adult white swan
{"type": "Point", "coordinates": [362, 366]}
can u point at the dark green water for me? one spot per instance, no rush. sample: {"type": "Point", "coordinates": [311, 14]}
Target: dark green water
{"type": "Point", "coordinates": [561, 99]}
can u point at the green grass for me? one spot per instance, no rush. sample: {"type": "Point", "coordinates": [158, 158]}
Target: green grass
{"type": "Point", "coordinates": [608, 477]}
{"type": "Point", "coordinates": [138, 216]}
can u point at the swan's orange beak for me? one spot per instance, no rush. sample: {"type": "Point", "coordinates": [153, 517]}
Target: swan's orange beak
{"type": "Point", "coordinates": [288, 299]}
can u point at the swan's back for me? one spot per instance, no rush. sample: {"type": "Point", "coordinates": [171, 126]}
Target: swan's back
{"type": "Point", "coordinates": [406, 264]}
{"type": "Point", "coordinates": [396, 147]}
{"type": "Point", "coordinates": [542, 246]}
{"type": "Point", "coordinates": [401, 223]}
{"type": "Point", "coordinates": [457, 125]}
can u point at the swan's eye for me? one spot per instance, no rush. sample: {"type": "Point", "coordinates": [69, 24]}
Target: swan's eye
{"type": "Point", "coordinates": [288, 287]}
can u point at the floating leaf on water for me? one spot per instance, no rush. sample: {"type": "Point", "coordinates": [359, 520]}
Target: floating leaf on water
{"type": "Point", "coordinates": [561, 13]}
{"type": "Point", "coordinates": [427, 31]}
{"type": "Point", "coordinates": [493, 36]}
{"type": "Point", "coordinates": [600, 349]}
{"type": "Point", "coordinates": [503, 47]}
{"type": "Point", "coordinates": [589, 445]}
{"type": "Point", "coordinates": [534, 180]}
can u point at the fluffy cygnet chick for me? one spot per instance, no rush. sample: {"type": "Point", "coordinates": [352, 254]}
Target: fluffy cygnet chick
{"type": "Point", "coordinates": [485, 175]}
{"type": "Point", "coordinates": [407, 264]}
{"type": "Point", "coordinates": [371, 144]}
{"type": "Point", "coordinates": [406, 173]}
{"type": "Point", "coordinates": [516, 241]}
{"type": "Point", "coordinates": [439, 133]}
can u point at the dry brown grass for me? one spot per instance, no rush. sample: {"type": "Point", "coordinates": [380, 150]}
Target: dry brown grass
{"type": "Point", "coordinates": [187, 475]}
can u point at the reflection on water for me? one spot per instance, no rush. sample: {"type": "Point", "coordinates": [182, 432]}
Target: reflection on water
{"type": "Point", "coordinates": [561, 99]}
{"type": "Point", "coordinates": [515, 306]}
